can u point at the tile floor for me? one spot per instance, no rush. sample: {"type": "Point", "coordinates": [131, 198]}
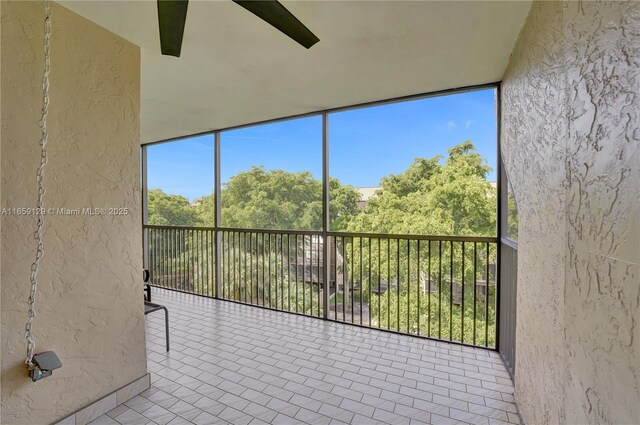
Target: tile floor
{"type": "Point", "coordinates": [237, 364]}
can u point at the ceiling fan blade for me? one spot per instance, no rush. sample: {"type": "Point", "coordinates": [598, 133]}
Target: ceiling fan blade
{"type": "Point", "coordinates": [274, 13]}
{"type": "Point", "coordinates": [172, 15]}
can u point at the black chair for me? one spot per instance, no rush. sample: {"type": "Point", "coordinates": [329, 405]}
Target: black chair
{"type": "Point", "coordinates": [147, 287]}
{"type": "Point", "coordinates": [150, 307]}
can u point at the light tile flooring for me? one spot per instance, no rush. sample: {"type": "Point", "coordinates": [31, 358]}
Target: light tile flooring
{"type": "Point", "coordinates": [237, 364]}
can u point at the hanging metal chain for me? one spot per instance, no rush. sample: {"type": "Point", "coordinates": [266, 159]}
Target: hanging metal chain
{"type": "Point", "coordinates": [44, 136]}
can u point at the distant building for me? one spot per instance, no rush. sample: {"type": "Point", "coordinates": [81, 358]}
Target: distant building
{"type": "Point", "coordinates": [196, 202]}
{"type": "Point", "coordinates": [366, 193]}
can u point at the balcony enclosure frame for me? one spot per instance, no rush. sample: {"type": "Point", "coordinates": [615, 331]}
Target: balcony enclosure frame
{"type": "Point", "coordinates": [220, 250]}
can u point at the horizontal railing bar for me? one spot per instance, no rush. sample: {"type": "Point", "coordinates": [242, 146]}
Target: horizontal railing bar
{"type": "Point", "coordinates": [415, 237]}
{"type": "Point", "coordinates": [271, 231]}
{"type": "Point", "coordinates": [491, 239]}
{"type": "Point", "coordinates": [157, 226]}
{"type": "Point", "coordinates": [237, 229]}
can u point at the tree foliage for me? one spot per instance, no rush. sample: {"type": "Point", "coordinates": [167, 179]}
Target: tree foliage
{"type": "Point", "coordinates": [434, 199]}
{"type": "Point", "coordinates": [170, 210]}
{"type": "Point", "coordinates": [277, 199]}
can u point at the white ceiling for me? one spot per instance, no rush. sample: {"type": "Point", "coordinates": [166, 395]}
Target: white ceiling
{"type": "Point", "coordinates": [235, 69]}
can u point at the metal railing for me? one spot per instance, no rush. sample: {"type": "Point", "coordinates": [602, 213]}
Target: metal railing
{"type": "Point", "coordinates": [181, 258]}
{"type": "Point", "coordinates": [438, 287]}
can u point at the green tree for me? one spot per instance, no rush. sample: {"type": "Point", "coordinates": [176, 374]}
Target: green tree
{"type": "Point", "coordinates": [207, 210]}
{"type": "Point", "coordinates": [277, 199]}
{"type": "Point", "coordinates": [431, 198]}
{"type": "Point", "coordinates": [170, 210]}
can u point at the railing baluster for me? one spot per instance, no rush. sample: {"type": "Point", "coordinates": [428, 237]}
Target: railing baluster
{"type": "Point", "coordinates": [264, 281]}
{"type": "Point", "coordinates": [398, 288]}
{"type": "Point", "coordinates": [289, 271]}
{"type": "Point", "coordinates": [297, 277]}
{"type": "Point", "coordinates": [186, 261]}
{"type": "Point", "coordinates": [439, 289]}
{"type": "Point", "coordinates": [236, 267]}
{"type": "Point", "coordinates": [281, 255]}
{"type": "Point", "coordinates": [241, 292]}
{"type": "Point", "coordinates": [462, 311]}
{"type": "Point", "coordinates": [344, 280]}
{"type": "Point", "coordinates": [194, 260]}
{"type": "Point", "coordinates": [160, 258]}
{"type": "Point", "coordinates": [223, 264]}
{"type": "Point", "coordinates": [256, 259]}
{"type": "Point", "coordinates": [204, 262]}
{"type": "Point", "coordinates": [176, 247]}
{"type": "Point", "coordinates": [379, 285]}
{"type": "Point", "coordinates": [408, 285]}
{"type": "Point", "coordinates": [275, 249]}
{"type": "Point", "coordinates": [389, 290]}
{"type": "Point", "coordinates": [237, 294]}
{"type": "Point", "coordinates": [165, 263]}
{"type": "Point", "coordinates": [227, 253]}
{"type": "Point", "coordinates": [419, 285]}
{"type": "Point", "coordinates": [269, 267]}
{"type": "Point", "coordinates": [429, 288]}
{"type": "Point", "coordinates": [304, 274]}
{"type": "Point", "coordinates": [361, 280]}
{"type": "Point", "coordinates": [204, 251]}
{"type": "Point", "coordinates": [158, 242]}
{"type": "Point", "coordinates": [246, 281]}
{"type": "Point", "coordinates": [486, 302]}
{"type": "Point", "coordinates": [335, 277]}
{"type": "Point", "coordinates": [369, 283]}
{"type": "Point", "coordinates": [451, 293]}
{"type": "Point", "coordinates": [282, 260]}
{"type": "Point", "coordinates": [188, 256]}
{"type": "Point", "coordinates": [249, 267]}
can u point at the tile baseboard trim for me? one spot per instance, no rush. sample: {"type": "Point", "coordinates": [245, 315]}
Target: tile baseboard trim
{"type": "Point", "coordinates": [108, 402]}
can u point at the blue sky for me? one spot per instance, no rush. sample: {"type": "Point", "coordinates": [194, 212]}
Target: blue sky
{"type": "Point", "coordinates": [365, 144]}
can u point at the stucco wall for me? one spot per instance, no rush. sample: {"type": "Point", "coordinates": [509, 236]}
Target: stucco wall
{"type": "Point", "coordinates": [90, 309]}
{"type": "Point", "coordinates": [571, 145]}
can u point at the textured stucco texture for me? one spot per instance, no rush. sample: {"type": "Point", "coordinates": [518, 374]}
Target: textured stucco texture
{"type": "Point", "coordinates": [571, 146]}
{"type": "Point", "coordinates": [89, 304]}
